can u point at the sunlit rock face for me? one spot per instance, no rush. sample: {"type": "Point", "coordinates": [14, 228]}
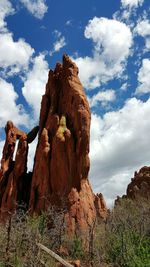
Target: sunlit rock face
{"type": "Point", "coordinates": [60, 174]}
{"type": "Point", "coordinates": [61, 166]}
{"type": "Point", "coordinates": [139, 187]}
{"type": "Point", "coordinates": [140, 184]}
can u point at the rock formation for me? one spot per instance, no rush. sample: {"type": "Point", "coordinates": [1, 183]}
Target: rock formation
{"type": "Point", "coordinates": [139, 186]}
{"type": "Point", "coordinates": [14, 180]}
{"type": "Point", "coordinates": [100, 205]}
{"type": "Point", "coordinates": [60, 172]}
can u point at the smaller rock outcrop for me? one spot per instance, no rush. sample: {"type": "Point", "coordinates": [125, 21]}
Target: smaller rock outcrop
{"type": "Point", "coordinates": [100, 205]}
{"type": "Point", "coordinates": [14, 180]}
{"type": "Point", "coordinates": [139, 186]}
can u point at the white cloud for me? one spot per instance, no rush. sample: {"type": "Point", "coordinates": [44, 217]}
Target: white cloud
{"type": "Point", "coordinates": [14, 55]}
{"type": "Point", "coordinates": [9, 110]}
{"type": "Point", "coordinates": [59, 43]}
{"type": "Point", "coordinates": [112, 42]}
{"type": "Point", "coordinates": [131, 3]}
{"type": "Point", "coordinates": [5, 10]}
{"type": "Point", "coordinates": [37, 8]}
{"type": "Point", "coordinates": [69, 22]}
{"type": "Point", "coordinates": [34, 85]}
{"type": "Point", "coordinates": [119, 146]}
{"type": "Point", "coordinates": [109, 37]}
{"type": "Point", "coordinates": [124, 86]}
{"type": "Point", "coordinates": [143, 29]}
{"type": "Point", "coordinates": [103, 97]}
{"type": "Point", "coordinates": [144, 77]}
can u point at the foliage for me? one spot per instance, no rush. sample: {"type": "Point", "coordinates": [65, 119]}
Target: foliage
{"type": "Point", "coordinates": [121, 241]}
{"type": "Point", "coordinates": [125, 238]}
{"type": "Point", "coordinates": [76, 249]}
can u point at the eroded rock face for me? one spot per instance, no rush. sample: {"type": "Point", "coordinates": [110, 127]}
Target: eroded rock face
{"type": "Point", "coordinates": [139, 186]}
{"type": "Point", "coordinates": [14, 180]}
{"type": "Point", "coordinates": [100, 205]}
{"type": "Point", "coordinates": [62, 162]}
{"type": "Point", "coordinates": [61, 166]}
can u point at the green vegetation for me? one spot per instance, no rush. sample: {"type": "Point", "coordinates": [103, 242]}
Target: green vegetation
{"type": "Point", "coordinates": [122, 241]}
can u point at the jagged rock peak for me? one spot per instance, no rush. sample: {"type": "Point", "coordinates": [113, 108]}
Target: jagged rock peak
{"type": "Point", "coordinates": [14, 180]}
{"type": "Point", "coordinates": [62, 157]}
{"type": "Point", "coordinates": [139, 187]}
{"type": "Point", "coordinates": [140, 184]}
{"type": "Point", "coordinates": [61, 166]}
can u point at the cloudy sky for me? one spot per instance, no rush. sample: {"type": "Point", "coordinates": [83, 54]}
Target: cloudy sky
{"type": "Point", "coordinates": [110, 42]}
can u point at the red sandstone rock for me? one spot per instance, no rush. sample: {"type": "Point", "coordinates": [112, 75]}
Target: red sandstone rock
{"type": "Point", "coordinates": [62, 162]}
{"type": "Point", "coordinates": [13, 173]}
{"type": "Point", "coordinates": [139, 186]}
{"type": "Point", "coordinates": [100, 205]}
{"type": "Point", "coordinates": [60, 174]}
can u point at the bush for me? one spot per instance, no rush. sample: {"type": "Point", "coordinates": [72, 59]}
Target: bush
{"type": "Point", "coordinates": [125, 238]}
{"type": "Point", "coordinates": [121, 241]}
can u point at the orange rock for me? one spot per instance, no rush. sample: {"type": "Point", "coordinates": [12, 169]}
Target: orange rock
{"type": "Point", "coordinates": [101, 208]}
{"type": "Point", "coordinates": [61, 166]}
{"type": "Point", "coordinates": [76, 263]}
{"type": "Point", "coordinates": [13, 173]}
{"type": "Point", "coordinates": [60, 174]}
{"type": "Point", "coordinates": [140, 184]}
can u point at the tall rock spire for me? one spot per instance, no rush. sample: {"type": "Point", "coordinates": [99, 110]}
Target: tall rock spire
{"type": "Point", "coordinates": [61, 166]}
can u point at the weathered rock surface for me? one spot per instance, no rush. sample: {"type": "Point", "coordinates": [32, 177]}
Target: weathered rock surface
{"type": "Point", "coordinates": [62, 162]}
{"type": "Point", "coordinates": [139, 186]}
{"type": "Point", "coordinates": [14, 180]}
{"type": "Point", "coordinates": [100, 206]}
{"type": "Point", "coordinates": [60, 172]}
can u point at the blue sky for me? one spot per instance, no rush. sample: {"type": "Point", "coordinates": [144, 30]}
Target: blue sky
{"type": "Point", "coordinates": [110, 42]}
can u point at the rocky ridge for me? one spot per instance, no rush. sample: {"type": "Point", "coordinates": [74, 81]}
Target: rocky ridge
{"type": "Point", "coordinates": [61, 166]}
{"type": "Point", "coordinates": [139, 187]}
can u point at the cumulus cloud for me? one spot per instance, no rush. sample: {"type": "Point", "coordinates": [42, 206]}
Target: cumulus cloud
{"type": "Point", "coordinates": [131, 3]}
{"type": "Point", "coordinates": [112, 41]}
{"type": "Point", "coordinates": [144, 77]}
{"type": "Point", "coordinates": [5, 10]}
{"type": "Point", "coordinates": [34, 84]}
{"type": "Point", "coordinates": [14, 55]}
{"type": "Point", "coordinates": [143, 29]}
{"type": "Point", "coordinates": [9, 110]}
{"type": "Point", "coordinates": [104, 97]}
{"type": "Point", "coordinates": [37, 8]}
{"type": "Point", "coordinates": [59, 43]}
{"type": "Point", "coordinates": [119, 146]}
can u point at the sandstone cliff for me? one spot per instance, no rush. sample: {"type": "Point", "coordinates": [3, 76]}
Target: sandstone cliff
{"type": "Point", "coordinates": [60, 172]}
